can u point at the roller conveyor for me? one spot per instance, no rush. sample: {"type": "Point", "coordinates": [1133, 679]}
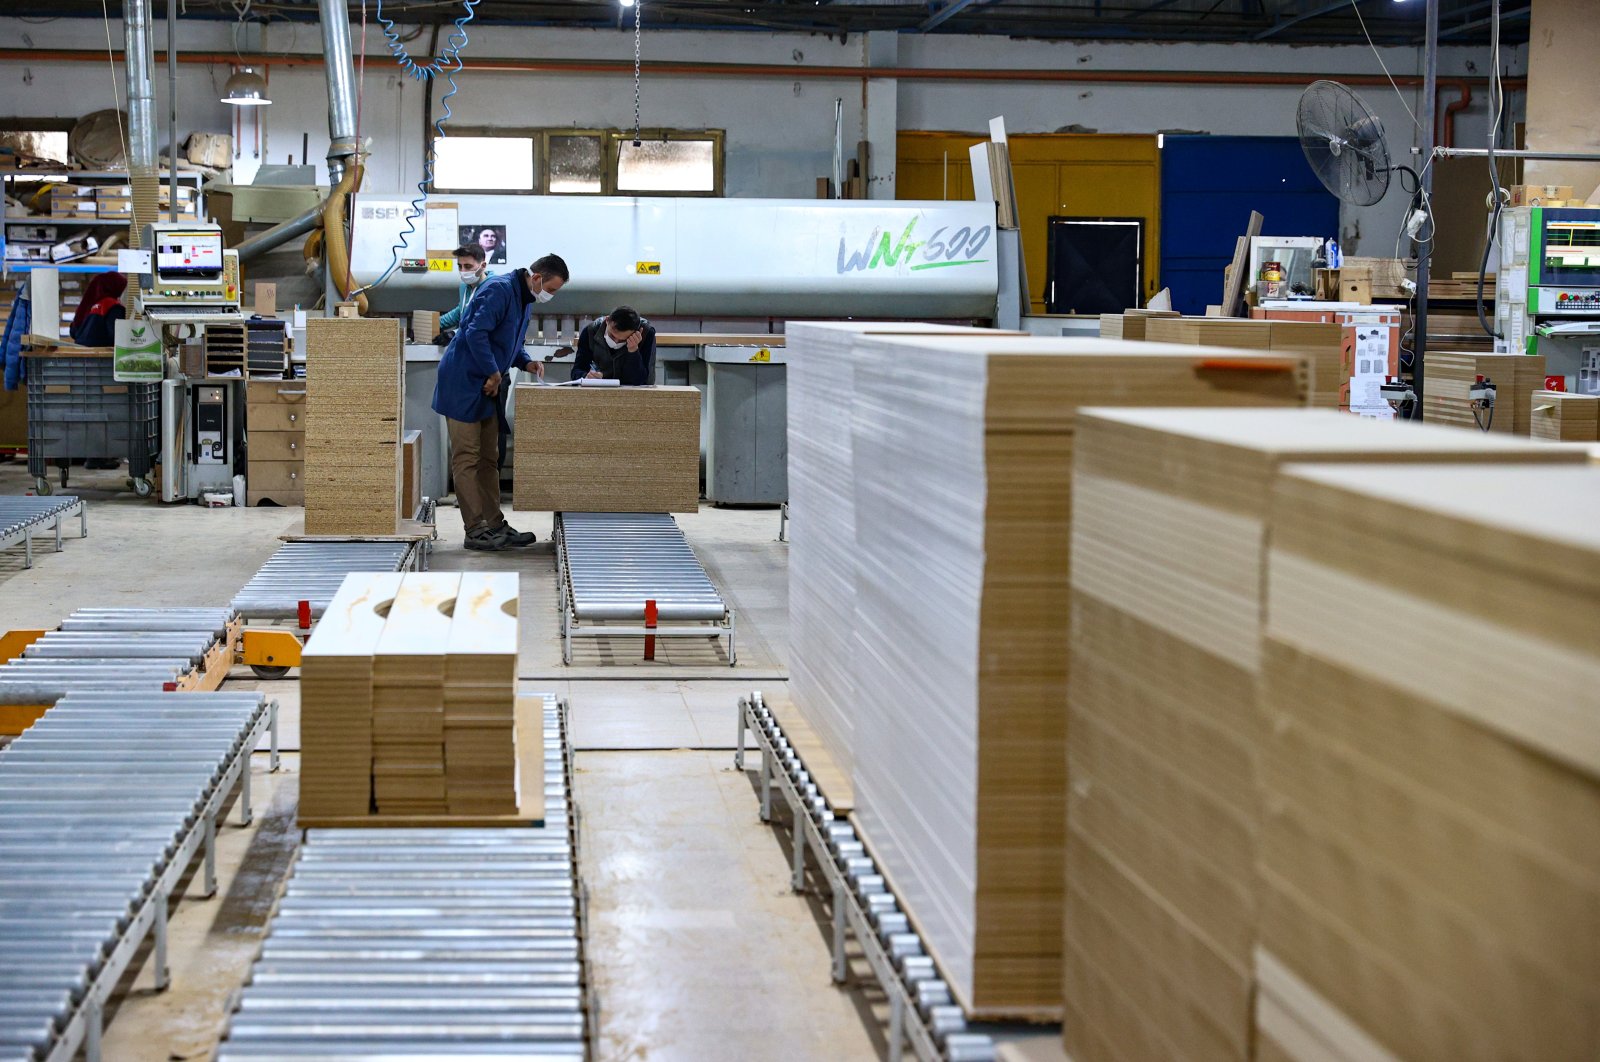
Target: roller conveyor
{"type": "Point", "coordinates": [312, 572]}
{"type": "Point", "coordinates": [611, 566]}
{"type": "Point", "coordinates": [426, 943]}
{"type": "Point", "coordinates": [22, 516]}
{"type": "Point", "coordinates": [116, 649]}
{"type": "Point", "coordinates": [104, 803]}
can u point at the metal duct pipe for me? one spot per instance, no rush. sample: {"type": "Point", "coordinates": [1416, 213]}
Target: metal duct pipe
{"type": "Point", "coordinates": [138, 57]}
{"type": "Point", "coordinates": [280, 234]}
{"type": "Point", "coordinates": [342, 144]}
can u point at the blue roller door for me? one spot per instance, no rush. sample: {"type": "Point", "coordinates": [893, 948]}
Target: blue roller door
{"type": "Point", "coordinates": [1209, 185]}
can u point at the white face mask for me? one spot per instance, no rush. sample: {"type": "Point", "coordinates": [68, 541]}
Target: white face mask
{"type": "Point", "coordinates": [615, 344]}
{"type": "Point", "coordinates": [543, 296]}
{"type": "Point", "coordinates": [472, 280]}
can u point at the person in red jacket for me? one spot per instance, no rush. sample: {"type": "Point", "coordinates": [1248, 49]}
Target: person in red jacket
{"type": "Point", "coordinates": [95, 323]}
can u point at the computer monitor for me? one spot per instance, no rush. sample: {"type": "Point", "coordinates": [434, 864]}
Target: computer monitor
{"type": "Point", "coordinates": [188, 256]}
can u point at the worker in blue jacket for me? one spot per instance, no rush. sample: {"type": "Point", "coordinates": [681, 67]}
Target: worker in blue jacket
{"type": "Point", "coordinates": [470, 268]}
{"type": "Point", "coordinates": [472, 371]}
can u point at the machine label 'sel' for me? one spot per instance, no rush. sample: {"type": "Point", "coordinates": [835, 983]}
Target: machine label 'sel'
{"type": "Point", "coordinates": [652, 269]}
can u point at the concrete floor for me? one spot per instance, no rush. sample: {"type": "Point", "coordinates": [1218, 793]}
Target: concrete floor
{"type": "Point", "coordinates": [699, 948]}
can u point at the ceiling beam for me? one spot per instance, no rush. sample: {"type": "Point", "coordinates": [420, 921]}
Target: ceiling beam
{"type": "Point", "coordinates": [1505, 16]}
{"type": "Point", "coordinates": [948, 11]}
{"type": "Point", "coordinates": [1316, 12]}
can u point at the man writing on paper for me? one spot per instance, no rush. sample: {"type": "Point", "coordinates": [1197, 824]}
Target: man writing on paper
{"type": "Point", "coordinates": [472, 371]}
{"type": "Point", "coordinates": [620, 346]}
{"type": "Point", "coordinates": [472, 271]}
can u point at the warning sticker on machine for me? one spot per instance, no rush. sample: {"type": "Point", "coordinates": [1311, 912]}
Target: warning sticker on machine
{"type": "Point", "coordinates": [441, 265]}
{"type": "Point", "coordinates": [762, 355]}
{"type": "Point", "coordinates": [648, 268]}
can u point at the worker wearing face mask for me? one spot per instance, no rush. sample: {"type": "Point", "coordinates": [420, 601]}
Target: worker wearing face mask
{"type": "Point", "coordinates": [620, 346]}
{"type": "Point", "coordinates": [471, 272]}
{"type": "Point", "coordinates": [472, 372]}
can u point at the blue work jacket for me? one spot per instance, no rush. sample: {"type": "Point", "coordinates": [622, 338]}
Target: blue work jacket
{"type": "Point", "coordinates": [489, 341]}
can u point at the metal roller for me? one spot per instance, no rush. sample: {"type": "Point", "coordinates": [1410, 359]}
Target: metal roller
{"type": "Point", "coordinates": [88, 861]}
{"type": "Point", "coordinates": [424, 943]}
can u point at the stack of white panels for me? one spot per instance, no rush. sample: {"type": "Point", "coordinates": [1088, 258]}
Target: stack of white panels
{"type": "Point", "coordinates": [822, 554]}
{"type": "Point", "coordinates": [962, 450]}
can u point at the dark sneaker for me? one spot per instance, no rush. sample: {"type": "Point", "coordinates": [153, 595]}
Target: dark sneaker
{"type": "Point", "coordinates": [489, 539]}
{"type": "Point", "coordinates": [514, 537]}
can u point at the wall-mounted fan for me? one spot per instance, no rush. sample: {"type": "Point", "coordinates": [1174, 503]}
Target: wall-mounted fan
{"type": "Point", "coordinates": [1344, 143]}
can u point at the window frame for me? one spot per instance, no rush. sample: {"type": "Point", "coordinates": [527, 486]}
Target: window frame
{"type": "Point", "coordinates": [716, 136]}
{"type": "Point", "coordinates": [610, 158]}
{"type": "Point", "coordinates": [493, 132]}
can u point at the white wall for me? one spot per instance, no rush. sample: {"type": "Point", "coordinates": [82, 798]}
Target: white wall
{"type": "Point", "coordinates": [779, 129]}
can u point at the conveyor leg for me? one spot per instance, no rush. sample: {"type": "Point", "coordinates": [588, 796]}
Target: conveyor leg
{"type": "Point", "coordinates": [163, 975]}
{"type": "Point", "coordinates": [93, 1020]}
{"type": "Point", "coordinates": [566, 637]}
{"type": "Point", "coordinates": [841, 971]}
{"type": "Point", "coordinates": [738, 746]}
{"type": "Point", "coordinates": [211, 857]}
{"type": "Point", "coordinates": [244, 793]}
{"type": "Point", "coordinates": [766, 785]}
{"type": "Point", "coordinates": [83, 520]}
{"type": "Point", "coordinates": [58, 532]}
{"type": "Point", "coordinates": [27, 549]}
{"type": "Point", "coordinates": [897, 1028]}
{"type": "Point", "coordinates": [733, 652]}
{"type": "Point", "coordinates": [272, 727]}
{"type": "Point", "coordinates": [797, 869]}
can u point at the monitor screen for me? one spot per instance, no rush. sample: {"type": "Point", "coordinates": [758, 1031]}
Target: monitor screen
{"type": "Point", "coordinates": [190, 255]}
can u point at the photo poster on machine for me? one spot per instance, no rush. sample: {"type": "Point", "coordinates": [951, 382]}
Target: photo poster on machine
{"type": "Point", "coordinates": [1371, 369]}
{"type": "Point", "coordinates": [136, 353]}
{"type": "Point", "coordinates": [492, 238]}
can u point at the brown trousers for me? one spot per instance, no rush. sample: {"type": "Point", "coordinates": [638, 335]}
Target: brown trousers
{"type": "Point", "coordinates": [474, 464]}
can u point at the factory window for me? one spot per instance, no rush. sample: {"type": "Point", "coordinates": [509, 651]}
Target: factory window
{"type": "Point", "coordinates": [668, 162]}
{"type": "Point", "coordinates": [486, 163]}
{"type": "Point", "coordinates": [576, 162]}
{"type": "Point", "coordinates": [580, 161]}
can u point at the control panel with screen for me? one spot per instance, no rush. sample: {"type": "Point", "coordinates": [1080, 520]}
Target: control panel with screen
{"type": "Point", "coordinates": [188, 256]}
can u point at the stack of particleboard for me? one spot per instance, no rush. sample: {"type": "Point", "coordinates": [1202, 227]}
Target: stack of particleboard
{"type": "Point", "coordinates": [607, 449]}
{"type": "Point", "coordinates": [1562, 417]}
{"type": "Point", "coordinates": [410, 474]}
{"type": "Point", "coordinates": [480, 684]}
{"type": "Point", "coordinates": [1448, 378]}
{"type": "Point", "coordinates": [1171, 525]}
{"type": "Point", "coordinates": [409, 707]}
{"type": "Point", "coordinates": [355, 389]}
{"type": "Point", "coordinates": [1130, 325]}
{"type": "Point", "coordinates": [1431, 851]}
{"type": "Point", "coordinates": [336, 699]}
{"type": "Point", "coordinates": [1322, 344]}
{"type": "Point", "coordinates": [424, 325]}
{"type": "Point", "coordinates": [963, 452]}
{"type": "Point", "coordinates": [408, 697]}
{"type": "Point", "coordinates": [822, 540]}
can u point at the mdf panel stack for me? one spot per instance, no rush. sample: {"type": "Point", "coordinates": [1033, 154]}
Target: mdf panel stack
{"type": "Point", "coordinates": [607, 449]}
{"type": "Point", "coordinates": [822, 521]}
{"type": "Point", "coordinates": [1321, 344]}
{"type": "Point", "coordinates": [480, 687]}
{"type": "Point", "coordinates": [355, 389]}
{"type": "Point", "coordinates": [336, 698]}
{"type": "Point", "coordinates": [963, 503]}
{"type": "Point", "coordinates": [1449, 377]}
{"type": "Point", "coordinates": [1171, 527]}
{"type": "Point", "coordinates": [1557, 416]}
{"type": "Point", "coordinates": [408, 697]}
{"type": "Point", "coordinates": [1130, 325]}
{"type": "Point", "coordinates": [1431, 849]}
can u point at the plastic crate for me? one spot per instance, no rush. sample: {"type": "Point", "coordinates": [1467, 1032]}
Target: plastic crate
{"type": "Point", "coordinates": [78, 411]}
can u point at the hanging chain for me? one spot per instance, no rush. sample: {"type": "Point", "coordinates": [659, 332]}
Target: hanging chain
{"type": "Point", "coordinates": [638, 5]}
